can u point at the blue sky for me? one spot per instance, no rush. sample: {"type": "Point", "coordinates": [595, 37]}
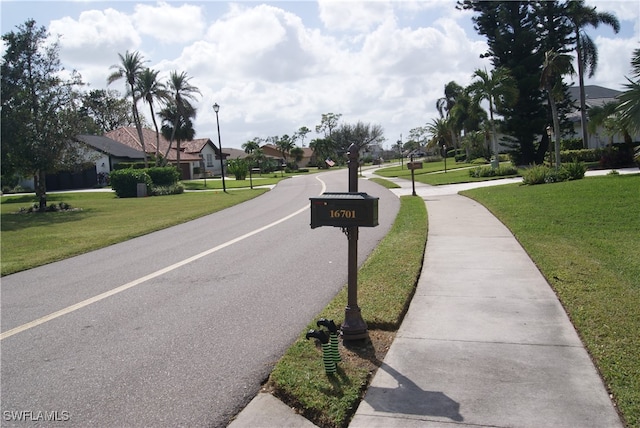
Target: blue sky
{"type": "Point", "coordinates": [276, 66]}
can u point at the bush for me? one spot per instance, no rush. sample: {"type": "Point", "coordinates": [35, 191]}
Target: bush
{"type": "Point", "coordinates": [238, 167]}
{"type": "Point", "coordinates": [536, 174]}
{"type": "Point", "coordinates": [479, 161]}
{"type": "Point", "coordinates": [488, 171]}
{"type": "Point", "coordinates": [163, 176]}
{"type": "Point", "coordinates": [571, 144]}
{"type": "Point", "coordinates": [173, 189]}
{"type": "Point", "coordinates": [125, 182]}
{"type": "Point", "coordinates": [540, 174]}
{"type": "Point", "coordinates": [616, 156]}
{"type": "Point", "coordinates": [575, 170]}
{"type": "Point", "coordinates": [128, 165]}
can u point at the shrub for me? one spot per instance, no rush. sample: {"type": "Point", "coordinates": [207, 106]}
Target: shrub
{"type": "Point", "coordinates": [163, 176]}
{"type": "Point", "coordinates": [540, 174]}
{"type": "Point", "coordinates": [581, 155]}
{"type": "Point", "coordinates": [128, 165]}
{"type": "Point", "coordinates": [173, 189]}
{"type": "Point", "coordinates": [238, 167]}
{"type": "Point", "coordinates": [575, 170]}
{"type": "Point", "coordinates": [125, 182]}
{"type": "Point", "coordinates": [571, 144]}
{"type": "Point", "coordinates": [479, 161]}
{"type": "Point", "coordinates": [616, 156]}
{"type": "Point", "coordinates": [488, 171]}
{"type": "Point", "coordinates": [535, 174]}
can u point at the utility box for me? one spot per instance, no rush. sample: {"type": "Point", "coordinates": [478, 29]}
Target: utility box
{"type": "Point", "coordinates": [141, 190]}
{"type": "Point", "coordinates": [414, 165]}
{"type": "Point", "coordinates": [344, 210]}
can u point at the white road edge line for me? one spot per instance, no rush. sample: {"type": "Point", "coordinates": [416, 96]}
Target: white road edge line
{"type": "Point", "coordinates": [145, 278]}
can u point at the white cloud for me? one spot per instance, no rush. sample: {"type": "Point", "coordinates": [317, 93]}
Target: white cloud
{"type": "Point", "coordinates": [355, 16]}
{"type": "Point", "coordinates": [273, 71]}
{"type": "Point", "coordinates": [169, 24]}
{"type": "Point", "coordinates": [96, 37]}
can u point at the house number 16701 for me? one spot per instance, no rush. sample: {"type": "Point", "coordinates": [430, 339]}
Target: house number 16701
{"type": "Point", "coordinates": [342, 213]}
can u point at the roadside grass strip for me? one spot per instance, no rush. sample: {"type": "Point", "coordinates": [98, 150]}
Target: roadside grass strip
{"type": "Point", "coordinates": [386, 283]}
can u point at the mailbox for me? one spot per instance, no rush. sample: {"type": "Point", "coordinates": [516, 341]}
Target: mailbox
{"type": "Point", "coordinates": [344, 210]}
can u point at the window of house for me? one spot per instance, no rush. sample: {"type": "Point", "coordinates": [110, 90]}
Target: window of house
{"type": "Point", "coordinates": [209, 159]}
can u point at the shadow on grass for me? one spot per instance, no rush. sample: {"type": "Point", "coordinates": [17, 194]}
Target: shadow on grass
{"type": "Point", "coordinates": [17, 221]}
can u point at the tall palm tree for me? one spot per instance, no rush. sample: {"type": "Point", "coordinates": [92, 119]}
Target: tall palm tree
{"type": "Point", "coordinates": [445, 105]}
{"type": "Point", "coordinates": [498, 88]}
{"type": "Point", "coordinates": [555, 66]}
{"type": "Point", "coordinates": [152, 90]}
{"type": "Point", "coordinates": [284, 144]}
{"type": "Point", "coordinates": [581, 16]}
{"type": "Point", "coordinates": [629, 107]}
{"type": "Point", "coordinates": [182, 94]}
{"type": "Point", "coordinates": [130, 67]}
{"type": "Point", "coordinates": [177, 126]}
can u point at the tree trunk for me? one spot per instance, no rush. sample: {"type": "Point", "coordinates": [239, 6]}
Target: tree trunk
{"type": "Point", "coordinates": [583, 103]}
{"type": "Point", "coordinates": [41, 190]}
{"type": "Point", "coordinates": [556, 129]}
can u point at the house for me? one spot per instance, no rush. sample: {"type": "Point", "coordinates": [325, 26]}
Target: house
{"type": "Point", "coordinates": [595, 96]}
{"type": "Point", "coordinates": [108, 153]}
{"type": "Point", "coordinates": [100, 155]}
{"type": "Point", "coordinates": [196, 155]}
{"type": "Point", "coordinates": [271, 151]}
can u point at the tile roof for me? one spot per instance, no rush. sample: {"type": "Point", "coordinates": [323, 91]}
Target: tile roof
{"type": "Point", "coordinates": [110, 147]}
{"type": "Point", "coordinates": [128, 135]}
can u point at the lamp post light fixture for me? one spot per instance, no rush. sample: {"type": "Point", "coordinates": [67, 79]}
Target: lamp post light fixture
{"type": "Point", "coordinates": [216, 108]}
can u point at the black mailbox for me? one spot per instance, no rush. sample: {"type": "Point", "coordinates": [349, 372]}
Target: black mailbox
{"type": "Point", "coordinates": [344, 210]}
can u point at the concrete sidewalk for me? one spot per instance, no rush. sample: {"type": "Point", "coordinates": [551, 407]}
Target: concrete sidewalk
{"type": "Point", "coordinates": [485, 341]}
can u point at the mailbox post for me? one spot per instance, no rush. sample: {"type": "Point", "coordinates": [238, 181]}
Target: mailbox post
{"type": "Point", "coordinates": [349, 211]}
{"type": "Point", "coordinates": [353, 327]}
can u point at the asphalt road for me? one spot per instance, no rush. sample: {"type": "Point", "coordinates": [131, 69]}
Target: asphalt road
{"type": "Point", "coordinates": [179, 327]}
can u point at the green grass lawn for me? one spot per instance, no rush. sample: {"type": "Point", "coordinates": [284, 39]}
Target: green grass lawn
{"type": "Point", "coordinates": [584, 236]}
{"type": "Point", "coordinates": [216, 183]}
{"type": "Point", "coordinates": [30, 240]}
{"type": "Point", "coordinates": [433, 173]}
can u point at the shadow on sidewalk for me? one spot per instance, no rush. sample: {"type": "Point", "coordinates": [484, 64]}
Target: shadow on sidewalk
{"type": "Point", "coordinates": [409, 398]}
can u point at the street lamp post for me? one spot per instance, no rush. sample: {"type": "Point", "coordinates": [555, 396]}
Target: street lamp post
{"type": "Point", "coordinates": [216, 108]}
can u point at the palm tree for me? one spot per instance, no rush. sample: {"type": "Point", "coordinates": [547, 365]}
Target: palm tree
{"type": "Point", "coordinates": [629, 107]}
{"type": "Point", "coordinates": [498, 88]}
{"type": "Point", "coordinates": [445, 105]}
{"type": "Point", "coordinates": [182, 94]}
{"type": "Point", "coordinates": [252, 145]}
{"type": "Point", "coordinates": [130, 67]}
{"type": "Point", "coordinates": [581, 16]}
{"type": "Point", "coordinates": [555, 66]}
{"type": "Point", "coordinates": [177, 126]}
{"type": "Point", "coordinates": [284, 144]}
{"type": "Point", "coordinates": [440, 133]}
{"type": "Point", "coordinates": [151, 90]}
